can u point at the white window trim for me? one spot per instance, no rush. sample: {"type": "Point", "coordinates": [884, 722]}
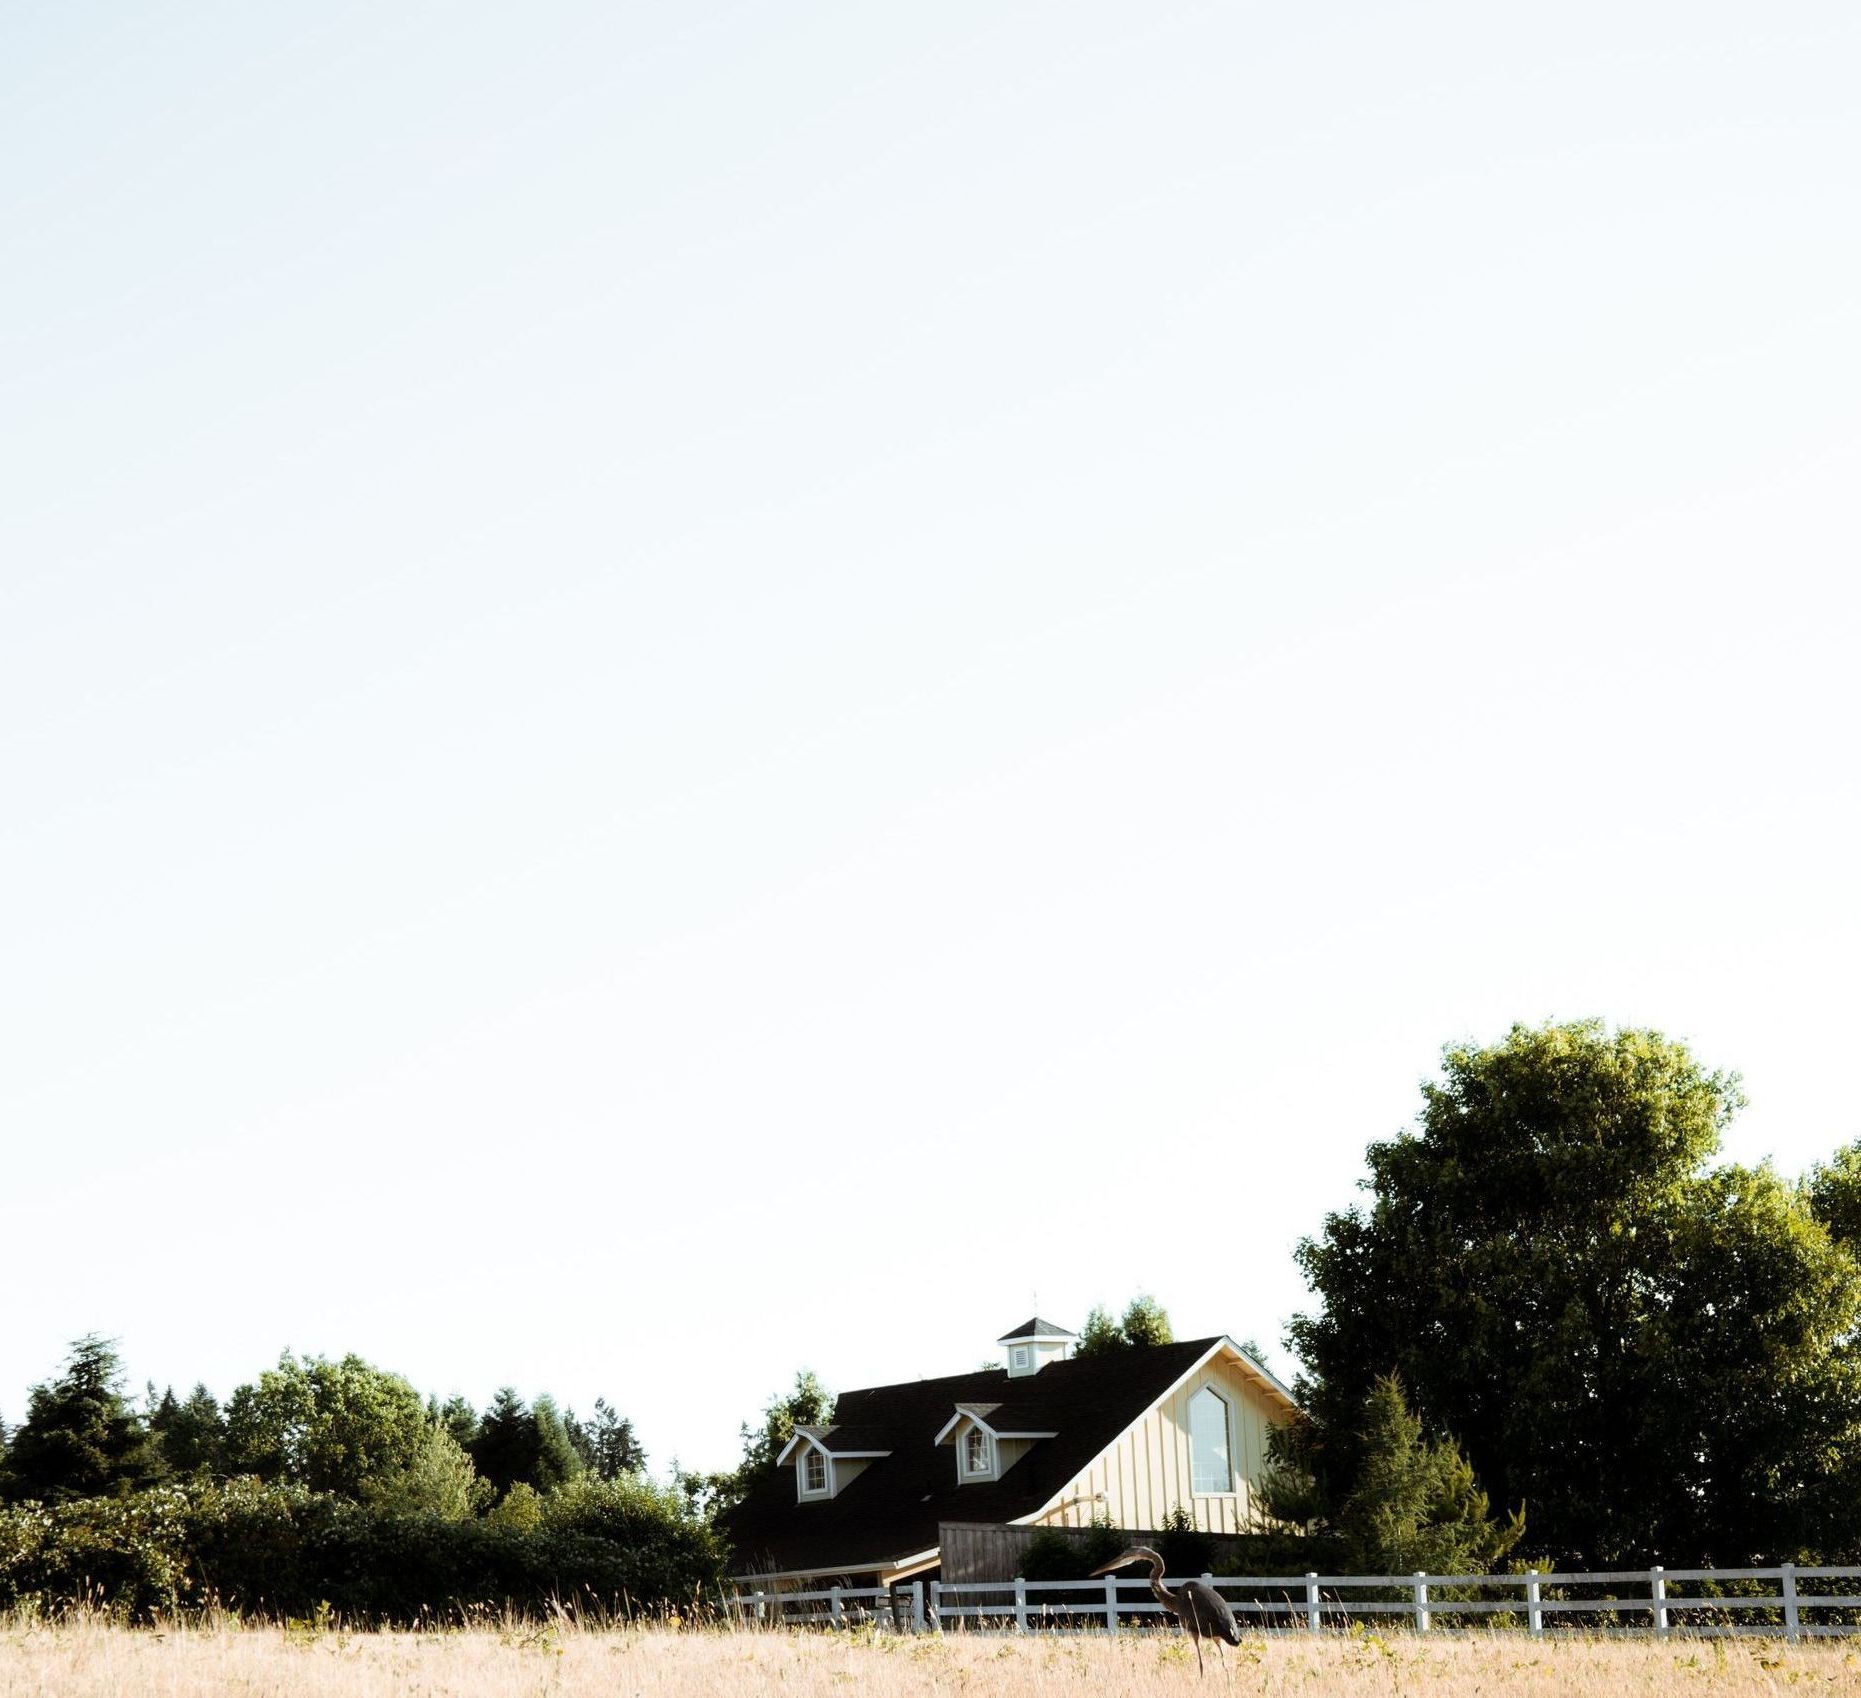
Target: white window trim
{"type": "Point", "coordinates": [1017, 1356]}
{"type": "Point", "coordinates": [811, 1493]}
{"type": "Point", "coordinates": [1227, 1423]}
{"type": "Point", "coordinates": [987, 1471]}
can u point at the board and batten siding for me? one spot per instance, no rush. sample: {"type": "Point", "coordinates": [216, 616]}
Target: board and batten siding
{"type": "Point", "coordinates": [1145, 1474]}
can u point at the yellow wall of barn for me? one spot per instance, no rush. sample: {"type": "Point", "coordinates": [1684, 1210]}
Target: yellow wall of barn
{"type": "Point", "coordinates": [1146, 1473]}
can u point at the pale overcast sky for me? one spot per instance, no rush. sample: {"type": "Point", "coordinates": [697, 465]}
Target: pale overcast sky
{"type": "Point", "coordinates": [693, 687]}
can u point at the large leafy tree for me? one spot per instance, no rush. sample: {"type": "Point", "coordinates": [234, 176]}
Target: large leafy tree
{"type": "Point", "coordinates": [1835, 1196]}
{"type": "Point", "coordinates": [80, 1437]}
{"type": "Point", "coordinates": [1654, 1355]}
{"type": "Point", "coordinates": [336, 1426]}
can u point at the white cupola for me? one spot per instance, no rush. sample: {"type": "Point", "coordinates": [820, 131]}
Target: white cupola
{"type": "Point", "coordinates": [1033, 1344]}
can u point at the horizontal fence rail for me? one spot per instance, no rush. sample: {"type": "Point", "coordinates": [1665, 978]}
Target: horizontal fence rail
{"type": "Point", "coordinates": [1787, 1602]}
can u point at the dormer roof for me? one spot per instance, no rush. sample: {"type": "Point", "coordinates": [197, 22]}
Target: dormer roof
{"type": "Point", "coordinates": [1035, 1328]}
{"type": "Point", "coordinates": [837, 1441]}
{"type": "Point", "coordinates": [1004, 1420]}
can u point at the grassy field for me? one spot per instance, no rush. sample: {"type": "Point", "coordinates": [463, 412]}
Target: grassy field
{"type": "Point", "coordinates": [95, 1660]}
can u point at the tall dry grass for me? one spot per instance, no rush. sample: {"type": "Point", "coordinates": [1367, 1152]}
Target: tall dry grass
{"type": "Point", "coordinates": [93, 1659]}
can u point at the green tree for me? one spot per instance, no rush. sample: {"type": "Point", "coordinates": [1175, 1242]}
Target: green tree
{"type": "Point", "coordinates": [80, 1437]}
{"type": "Point", "coordinates": [457, 1416]}
{"type": "Point", "coordinates": [191, 1433]}
{"type": "Point", "coordinates": [1835, 1196]}
{"type": "Point", "coordinates": [332, 1426]}
{"type": "Point", "coordinates": [557, 1460]}
{"type": "Point", "coordinates": [1099, 1336]}
{"type": "Point", "coordinates": [1145, 1322]}
{"type": "Point", "coordinates": [438, 1480]}
{"type": "Point", "coordinates": [506, 1448]}
{"type": "Point", "coordinates": [808, 1404]}
{"type": "Point", "coordinates": [521, 1508]}
{"type": "Point", "coordinates": [1560, 1280]}
{"type": "Point", "coordinates": [1415, 1504]}
{"type": "Point", "coordinates": [606, 1442]}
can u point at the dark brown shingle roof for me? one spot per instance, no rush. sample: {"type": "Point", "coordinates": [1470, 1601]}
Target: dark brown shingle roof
{"type": "Point", "coordinates": [1035, 1328]}
{"type": "Point", "coordinates": [847, 1441]}
{"type": "Point", "coordinates": [893, 1508]}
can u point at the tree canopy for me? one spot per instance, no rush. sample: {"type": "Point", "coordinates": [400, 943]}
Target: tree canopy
{"type": "Point", "coordinates": [1658, 1356]}
{"type": "Point", "coordinates": [606, 1442]}
{"type": "Point", "coordinates": [1144, 1322]}
{"type": "Point", "coordinates": [346, 1427]}
{"type": "Point", "coordinates": [808, 1403]}
{"type": "Point", "coordinates": [80, 1437]}
{"type": "Point", "coordinates": [1414, 1504]}
{"type": "Point", "coordinates": [190, 1432]}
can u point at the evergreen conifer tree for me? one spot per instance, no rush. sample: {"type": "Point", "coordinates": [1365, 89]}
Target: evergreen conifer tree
{"type": "Point", "coordinates": [191, 1434]}
{"type": "Point", "coordinates": [80, 1437]}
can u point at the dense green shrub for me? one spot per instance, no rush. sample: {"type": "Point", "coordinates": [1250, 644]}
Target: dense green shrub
{"type": "Point", "coordinates": [1184, 1547]}
{"type": "Point", "coordinates": [282, 1550]}
{"type": "Point", "coordinates": [1054, 1554]}
{"type": "Point", "coordinates": [1050, 1555]}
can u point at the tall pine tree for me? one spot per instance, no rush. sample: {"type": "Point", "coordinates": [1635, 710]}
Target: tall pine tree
{"type": "Point", "coordinates": [80, 1437]}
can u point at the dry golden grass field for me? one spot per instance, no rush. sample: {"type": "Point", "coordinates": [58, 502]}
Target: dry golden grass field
{"type": "Point", "coordinates": [94, 1660]}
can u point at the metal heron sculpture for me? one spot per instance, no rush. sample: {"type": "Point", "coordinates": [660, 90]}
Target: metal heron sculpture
{"type": "Point", "coordinates": [1195, 1604]}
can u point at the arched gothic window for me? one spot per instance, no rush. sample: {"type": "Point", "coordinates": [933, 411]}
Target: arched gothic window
{"type": "Point", "coordinates": [976, 1451]}
{"type": "Point", "coordinates": [1210, 1469]}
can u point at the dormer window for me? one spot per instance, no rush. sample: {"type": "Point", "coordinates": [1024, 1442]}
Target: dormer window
{"type": "Point", "coordinates": [829, 1459]}
{"type": "Point", "coordinates": [978, 1454]}
{"type": "Point", "coordinates": [989, 1439]}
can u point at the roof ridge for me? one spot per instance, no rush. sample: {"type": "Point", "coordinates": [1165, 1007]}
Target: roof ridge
{"type": "Point", "coordinates": [977, 1373]}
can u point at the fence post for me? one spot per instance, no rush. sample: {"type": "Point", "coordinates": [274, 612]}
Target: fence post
{"type": "Point", "coordinates": [917, 1606]}
{"type": "Point", "coordinates": [1311, 1601]}
{"type": "Point", "coordinates": [1421, 1602]}
{"type": "Point", "coordinates": [936, 1606]}
{"type": "Point", "coordinates": [1657, 1598]}
{"type": "Point", "coordinates": [1792, 1623]}
{"type": "Point", "coordinates": [1020, 1603]}
{"type": "Point", "coordinates": [1111, 1602]}
{"type": "Point", "coordinates": [1534, 1605]}
{"type": "Point", "coordinates": [833, 1604]}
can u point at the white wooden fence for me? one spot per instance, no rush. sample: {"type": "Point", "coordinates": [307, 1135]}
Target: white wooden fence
{"type": "Point", "coordinates": [1785, 1602]}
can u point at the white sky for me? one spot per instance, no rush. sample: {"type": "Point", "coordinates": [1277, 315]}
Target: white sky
{"type": "Point", "coordinates": [688, 687]}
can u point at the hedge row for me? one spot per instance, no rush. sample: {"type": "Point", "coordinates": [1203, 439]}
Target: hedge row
{"type": "Point", "coordinates": [284, 1552]}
